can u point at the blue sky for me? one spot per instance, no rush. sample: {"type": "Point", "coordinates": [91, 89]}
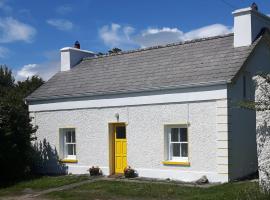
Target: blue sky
{"type": "Point", "coordinates": [32, 32]}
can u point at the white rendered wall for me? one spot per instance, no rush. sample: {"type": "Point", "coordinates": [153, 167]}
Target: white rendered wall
{"type": "Point", "coordinates": [242, 30]}
{"type": "Point", "coordinates": [242, 122]}
{"type": "Point", "coordinates": [145, 136]}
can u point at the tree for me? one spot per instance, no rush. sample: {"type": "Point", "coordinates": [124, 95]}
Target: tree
{"type": "Point", "coordinates": [262, 82]}
{"type": "Point", "coordinates": [114, 50]}
{"type": "Point", "coordinates": [6, 80]}
{"type": "Point", "coordinates": [262, 106]}
{"type": "Point", "coordinates": [16, 130]}
{"type": "Point", "coordinates": [111, 51]}
{"type": "Point", "coordinates": [29, 85]}
{"type": "Point", "coordinates": [100, 54]}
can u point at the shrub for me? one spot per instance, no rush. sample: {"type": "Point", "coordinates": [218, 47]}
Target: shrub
{"type": "Point", "coordinates": [130, 173]}
{"type": "Point", "coordinates": [95, 171]}
{"type": "Point", "coordinates": [16, 130]}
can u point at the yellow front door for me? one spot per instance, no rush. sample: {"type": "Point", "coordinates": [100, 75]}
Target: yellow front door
{"type": "Point", "coordinates": [120, 148]}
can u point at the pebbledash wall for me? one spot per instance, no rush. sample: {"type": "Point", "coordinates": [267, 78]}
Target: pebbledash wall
{"type": "Point", "coordinates": [207, 119]}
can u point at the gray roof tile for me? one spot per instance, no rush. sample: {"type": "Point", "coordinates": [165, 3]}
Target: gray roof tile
{"type": "Point", "coordinates": [172, 66]}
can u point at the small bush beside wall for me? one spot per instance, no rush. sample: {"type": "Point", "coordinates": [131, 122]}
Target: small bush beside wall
{"type": "Point", "coordinates": [95, 171]}
{"type": "Point", "coordinates": [130, 173]}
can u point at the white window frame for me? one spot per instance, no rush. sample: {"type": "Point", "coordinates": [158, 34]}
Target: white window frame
{"type": "Point", "coordinates": [64, 143]}
{"type": "Point", "coordinates": [170, 144]}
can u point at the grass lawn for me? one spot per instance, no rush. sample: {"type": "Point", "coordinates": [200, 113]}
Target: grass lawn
{"type": "Point", "coordinates": [130, 190]}
{"type": "Point", "coordinates": [41, 183]}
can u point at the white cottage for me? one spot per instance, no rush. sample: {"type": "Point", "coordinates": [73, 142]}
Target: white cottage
{"type": "Point", "coordinates": [168, 111]}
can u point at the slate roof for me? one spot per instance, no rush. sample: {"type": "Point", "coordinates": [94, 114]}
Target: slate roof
{"type": "Point", "coordinates": [199, 62]}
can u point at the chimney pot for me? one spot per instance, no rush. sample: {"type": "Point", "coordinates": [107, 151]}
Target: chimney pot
{"type": "Point", "coordinates": [77, 45]}
{"type": "Point", "coordinates": [254, 6]}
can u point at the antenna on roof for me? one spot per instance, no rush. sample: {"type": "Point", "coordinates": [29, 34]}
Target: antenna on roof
{"type": "Point", "coordinates": [254, 6]}
{"type": "Point", "coordinates": [77, 45]}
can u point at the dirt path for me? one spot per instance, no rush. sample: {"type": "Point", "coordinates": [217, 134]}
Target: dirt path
{"type": "Point", "coordinates": [37, 195]}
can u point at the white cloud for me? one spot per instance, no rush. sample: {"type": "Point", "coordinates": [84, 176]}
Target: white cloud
{"type": "Point", "coordinates": [61, 24]}
{"type": "Point", "coordinates": [3, 52]}
{"type": "Point", "coordinates": [64, 9]}
{"type": "Point", "coordinates": [207, 31]}
{"type": "Point", "coordinates": [154, 36]}
{"type": "Point", "coordinates": [117, 36]}
{"type": "Point", "coordinates": [45, 70]}
{"type": "Point", "coordinates": [27, 71]}
{"type": "Point", "coordinates": [13, 30]}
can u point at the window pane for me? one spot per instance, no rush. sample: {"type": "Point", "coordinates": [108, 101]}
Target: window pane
{"type": "Point", "coordinates": [68, 136]}
{"type": "Point", "coordinates": [73, 137]}
{"type": "Point", "coordinates": [184, 150]}
{"type": "Point", "coordinates": [121, 132]}
{"type": "Point", "coordinates": [74, 148]}
{"type": "Point", "coordinates": [70, 148]}
{"type": "Point", "coordinates": [176, 149]}
{"type": "Point", "coordinates": [183, 133]}
{"type": "Point", "coordinates": [174, 135]}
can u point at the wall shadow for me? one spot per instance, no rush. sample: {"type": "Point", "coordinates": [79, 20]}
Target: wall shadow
{"type": "Point", "coordinates": [46, 160]}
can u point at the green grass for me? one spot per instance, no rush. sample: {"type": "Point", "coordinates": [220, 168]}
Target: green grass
{"type": "Point", "coordinates": [128, 190]}
{"type": "Point", "coordinates": [41, 183]}
{"type": "Point", "coordinates": [117, 190]}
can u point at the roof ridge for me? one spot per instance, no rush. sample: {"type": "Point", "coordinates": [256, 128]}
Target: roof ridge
{"type": "Point", "coordinates": [159, 46]}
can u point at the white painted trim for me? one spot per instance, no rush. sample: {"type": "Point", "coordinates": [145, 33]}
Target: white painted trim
{"type": "Point", "coordinates": [249, 10]}
{"type": "Point", "coordinates": [242, 10]}
{"type": "Point", "coordinates": [213, 93]}
{"type": "Point", "coordinates": [76, 49]}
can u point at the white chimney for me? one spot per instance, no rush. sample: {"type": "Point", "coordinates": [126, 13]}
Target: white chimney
{"type": "Point", "coordinates": [248, 23]}
{"type": "Point", "coordinates": [72, 56]}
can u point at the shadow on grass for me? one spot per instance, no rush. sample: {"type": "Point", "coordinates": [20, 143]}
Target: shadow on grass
{"type": "Point", "coordinates": [45, 162]}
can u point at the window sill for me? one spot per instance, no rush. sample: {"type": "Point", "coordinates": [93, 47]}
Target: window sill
{"type": "Point", "coordinates": [68, 161]}
{"type": "Point", "coordinates": [176, 163]}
